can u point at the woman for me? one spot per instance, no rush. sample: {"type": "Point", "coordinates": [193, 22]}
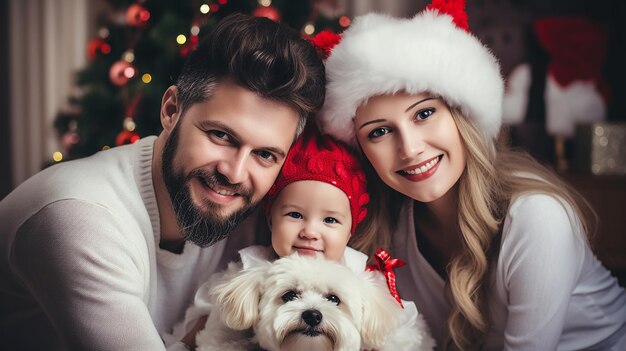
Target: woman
{"type": "Point", "coordinates": [496, 244]}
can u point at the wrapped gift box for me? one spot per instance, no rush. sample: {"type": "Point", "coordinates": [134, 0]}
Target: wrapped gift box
{"type": "Point", "coordinates": [600, 148]}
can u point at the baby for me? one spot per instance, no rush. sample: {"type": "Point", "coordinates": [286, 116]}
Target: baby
{"type": "Point", "coordinates": [313, 209]}
{"type": "Point", "coordinates": [317, 201]}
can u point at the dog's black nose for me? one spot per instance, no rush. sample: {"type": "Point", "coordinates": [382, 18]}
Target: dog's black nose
{"type": "Point", "coordinates": [312, 317]}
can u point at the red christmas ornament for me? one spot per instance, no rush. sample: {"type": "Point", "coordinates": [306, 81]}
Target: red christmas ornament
{"type": "Point", "coordinates": [126, 137]}
{"type": "Point", "coordinates": [137, 15]}
{"type": "Point", "coordinates": [268, 12]}
{"type": "Point", "coordinates": [121, 71]}
{"type": "Point", "coordinates": [96, 47]}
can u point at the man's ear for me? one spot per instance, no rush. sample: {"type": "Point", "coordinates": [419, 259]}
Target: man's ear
{"type": "Point", "coordinates": [170, 109]}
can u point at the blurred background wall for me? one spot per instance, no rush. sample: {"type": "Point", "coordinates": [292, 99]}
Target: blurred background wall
{"type": "Point", "coordinates": [6, 182]}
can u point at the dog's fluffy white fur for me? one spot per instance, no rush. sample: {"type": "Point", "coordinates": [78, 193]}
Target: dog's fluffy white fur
{"type": "Point", "coordinates": [301, 303]}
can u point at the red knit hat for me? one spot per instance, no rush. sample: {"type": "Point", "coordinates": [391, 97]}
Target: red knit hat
{"type": "Point", "coordinates": [321, 158]}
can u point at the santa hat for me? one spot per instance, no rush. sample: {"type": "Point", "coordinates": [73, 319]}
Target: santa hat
{"type": "Point", "coordinates": [314, 157]}
{"type": "Point", "coordinates": [431, 52]}
{"type": "Point", "coordinates": [575, 91]}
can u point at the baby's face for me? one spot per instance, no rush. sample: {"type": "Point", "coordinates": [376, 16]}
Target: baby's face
{"type": "Point", "coordinates": [312, 218]}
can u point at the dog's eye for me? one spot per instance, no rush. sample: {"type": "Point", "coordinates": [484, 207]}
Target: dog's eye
{"type": "Point", "coordinates": [289, 296]}
{"type": "Point", "coordinates": [334, 299]}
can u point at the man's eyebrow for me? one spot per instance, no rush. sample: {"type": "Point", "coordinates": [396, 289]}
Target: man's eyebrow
{"type": "Point", "coordinates": [219, 125]}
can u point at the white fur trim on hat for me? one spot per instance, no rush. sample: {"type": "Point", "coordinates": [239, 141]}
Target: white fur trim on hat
{"type": "Point", "coordinates": [381, 55]}
{"type": "Point", "coordinates": [579, 102]}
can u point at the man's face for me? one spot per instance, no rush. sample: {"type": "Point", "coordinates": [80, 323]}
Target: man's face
{"type": "Point", "coordinates": [222, 157]}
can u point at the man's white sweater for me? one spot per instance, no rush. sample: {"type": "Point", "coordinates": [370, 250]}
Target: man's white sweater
{"type": "Point", "coordinates": [80, 258]}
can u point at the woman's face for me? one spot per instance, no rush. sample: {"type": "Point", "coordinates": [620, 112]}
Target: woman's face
{"type": "Point", "coordinates": [413, 143]}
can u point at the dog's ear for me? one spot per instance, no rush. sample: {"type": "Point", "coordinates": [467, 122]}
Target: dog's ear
{"type": "Point", "coordinates": [238, 297]}
{"type": "Point", "coordinates": [380, 310]}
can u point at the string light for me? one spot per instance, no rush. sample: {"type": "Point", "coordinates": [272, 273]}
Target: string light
{"type": "Point", "coordinates": [129, 56]}
{"type": "Point", "coordinates": [105, 48]}
{"type": "Point", "coordinates": [204, 8]}
{"type": "Point", "coordinates": [105, 147]}
{"type": "Point", "coordinates": [344, 21]}
{"type": "Point", "coordinates": [103, 32]}
{"type": "Point", "coordinates": [129, 124]}
{"type": "Point", "coordinates": [129, 72]}
{"type": "Point", "coordinates": [195, 30]}
{"type": "Point", "coordinates": [309, 28]}
{"type": "Point", "coordinates": [146, 78]}
{"type": "Point", "coordinates": [181, 39]}
{"type": "Point", "coordinates": [57, 156]}
{"type": "Point", "coordinates": [265, 3]}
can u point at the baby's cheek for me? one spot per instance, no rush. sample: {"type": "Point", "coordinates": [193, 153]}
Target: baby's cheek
{"type": "Point", "coordinates": [333, 255]}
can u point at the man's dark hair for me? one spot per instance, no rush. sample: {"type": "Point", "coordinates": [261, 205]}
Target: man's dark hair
{"type": "Point", "coordinates": [268, 58]}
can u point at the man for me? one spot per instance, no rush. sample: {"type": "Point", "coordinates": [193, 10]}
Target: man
{"type": "Point", "coordinates": [105, 253]}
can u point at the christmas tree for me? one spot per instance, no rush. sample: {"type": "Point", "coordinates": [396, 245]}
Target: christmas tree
{"type": "Point", "coordinates": [138, 52]}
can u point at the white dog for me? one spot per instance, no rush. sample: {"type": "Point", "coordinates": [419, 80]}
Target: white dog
{"type": "Point", "coordinates": [301, 303]}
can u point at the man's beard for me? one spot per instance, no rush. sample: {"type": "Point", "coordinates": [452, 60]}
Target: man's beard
{"type": "Point", "coordinates": [202, 227]}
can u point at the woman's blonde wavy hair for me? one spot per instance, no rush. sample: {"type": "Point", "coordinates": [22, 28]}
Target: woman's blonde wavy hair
{"type": "Point", "coordinates": [493, 176]}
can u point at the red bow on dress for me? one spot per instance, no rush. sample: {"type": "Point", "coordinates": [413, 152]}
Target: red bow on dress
{"type": "Point", "coordinates": [386, 264]}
